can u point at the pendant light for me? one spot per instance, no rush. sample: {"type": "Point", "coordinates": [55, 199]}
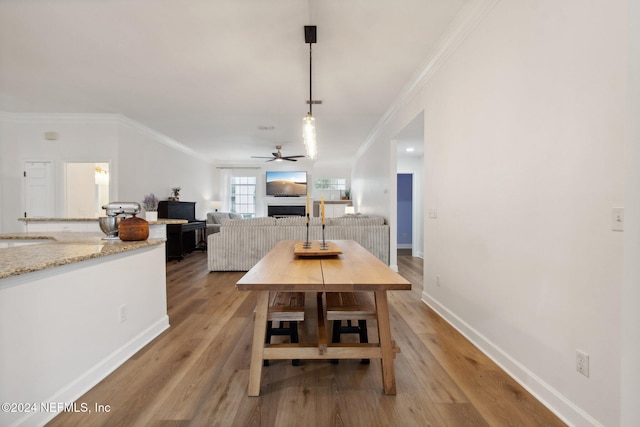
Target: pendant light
{"type": "Point", "coordinates": [309, 122]}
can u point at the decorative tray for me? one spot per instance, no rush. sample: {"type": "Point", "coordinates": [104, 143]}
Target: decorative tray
{"type": "Point", "coordinates": [316, 250]}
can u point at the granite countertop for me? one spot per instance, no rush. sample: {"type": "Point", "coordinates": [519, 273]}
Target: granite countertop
{"type": "Point", "coordinates": [60, 249]}
{"type": "Point", "coordinates": [159, 221]}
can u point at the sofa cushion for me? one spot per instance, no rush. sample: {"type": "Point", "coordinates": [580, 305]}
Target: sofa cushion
{"type": "Point", "coordinates": [216, 217]}
{"type": "Point", "coordinates": [291, 220]}
{"type": "Point", "coordinates": [220, 217]}
{"type": "Point", "coordinates": [356, 220]}
{"type": "Point", "coordinates": [250, 222]}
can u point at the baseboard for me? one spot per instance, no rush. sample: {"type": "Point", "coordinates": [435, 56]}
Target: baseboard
{"type": "Point", "coordinates": [74, 390]}
{"type": "Point", "coordinates": [557, 403]}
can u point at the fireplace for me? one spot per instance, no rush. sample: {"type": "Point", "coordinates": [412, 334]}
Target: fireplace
{"type": "Point", "coordinates": [281, 211]}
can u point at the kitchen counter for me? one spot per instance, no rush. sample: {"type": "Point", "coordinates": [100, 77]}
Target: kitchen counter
{"type": "Point", "coordinates": [73, 307]}
{"type": "Point", "coordinates": [61, 248]}
{"type": "Point", "coordinates": [159, 221]}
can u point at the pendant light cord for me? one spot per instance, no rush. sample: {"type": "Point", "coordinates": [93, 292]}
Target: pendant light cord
{"type": "Point", "coordinates": [310, 90]}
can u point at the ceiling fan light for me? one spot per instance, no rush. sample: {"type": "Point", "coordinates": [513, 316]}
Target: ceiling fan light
{"type": "Point", "coordinates": [309, 136]}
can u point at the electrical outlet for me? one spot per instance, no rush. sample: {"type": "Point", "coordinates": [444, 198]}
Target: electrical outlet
{"type": "Point", "coordinates": [582, 362]}
{"type": "Point", "coordinates": [438, 280]}
{"type": "Point", "coordinates": [122, 313]}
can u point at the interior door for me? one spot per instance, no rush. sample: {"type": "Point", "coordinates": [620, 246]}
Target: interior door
{"type": "Point", "coordinates": [38, 190]}
{"type": "Point", "coordinates": [405, 210]}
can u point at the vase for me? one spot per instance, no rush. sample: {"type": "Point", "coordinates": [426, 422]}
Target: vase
{"type": "Point", "coordinates": [151, 216]}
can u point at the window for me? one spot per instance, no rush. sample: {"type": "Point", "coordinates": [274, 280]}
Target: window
{"type": "Point", "coordinates": [331, 184]}
{"type": "Point", "coordinates": [243, 195]}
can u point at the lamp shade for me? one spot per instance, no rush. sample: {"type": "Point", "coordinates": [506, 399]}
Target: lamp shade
{"type": "Point", "coordinates": [309, 136]}
{"type": "Point", "coordinates": [216, 204]}
{"type": "Point", "coordinates": [349, 210]}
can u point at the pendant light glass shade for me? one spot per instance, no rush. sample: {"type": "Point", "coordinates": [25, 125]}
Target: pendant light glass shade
{"type": "Point", "coordinates": [309, 136]}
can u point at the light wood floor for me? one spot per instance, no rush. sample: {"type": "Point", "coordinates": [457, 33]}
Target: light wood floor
{"type": "Point", "coordinates": [196, 372]}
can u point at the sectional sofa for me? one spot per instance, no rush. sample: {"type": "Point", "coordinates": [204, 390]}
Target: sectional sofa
{"type": "Point", "coordinates": [241, 243]}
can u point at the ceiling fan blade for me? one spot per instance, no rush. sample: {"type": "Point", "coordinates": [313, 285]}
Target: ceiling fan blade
{"type": "Point", "coordinates": [289, 159]}
{"type": "Point", "coordinates": [292, 157]}
{"type": "Point", "coordinates": [260, 157]}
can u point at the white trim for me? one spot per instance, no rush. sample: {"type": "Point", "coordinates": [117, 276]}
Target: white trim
{"type": "Point", "coordinates": [74, 390]}
{"type": "Point", "coordinates": [562, 407]}
{"type": "Point", "coordinates": [116, 119]}
{"type": "Point", "coordinates": [162, 138]}
{"type": "Point", "coordinates": [464, 23]}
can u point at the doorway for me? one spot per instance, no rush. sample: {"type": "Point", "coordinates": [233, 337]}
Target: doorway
{"type": "Point", "coordinates": [405, 210]}
{"type": "Point", "coordinates": [86, 189]}
{"type": "Point", "coordinates": [38, 190]}
{"type": "Point", "coordinates": [410, 201]}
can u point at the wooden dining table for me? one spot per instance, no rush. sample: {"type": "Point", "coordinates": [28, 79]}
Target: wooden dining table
{"type": "Point", "coordinates": [353, 270]}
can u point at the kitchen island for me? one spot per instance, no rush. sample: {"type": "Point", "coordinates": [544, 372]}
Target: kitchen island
{"type": "Point", "coordinates": [157, 229]}
{"type": "Point", "coordinates": [73, 307]}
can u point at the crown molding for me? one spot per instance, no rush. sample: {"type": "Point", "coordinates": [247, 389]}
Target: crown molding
{"type": "Point", "coordinates": [462, 26]}
{"type": "Point", "coordinates": [30, 118]}
{"type": "Point", "coordinates": [162, 138]}
{"type": "Point", "coordinates": [101, 118]}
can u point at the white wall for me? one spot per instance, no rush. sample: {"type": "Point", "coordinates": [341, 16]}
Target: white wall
{"type": "Point", "coordinates": [141, 160]}
{"type": "Point", "coordinates": [262, 201]}
{"type": "Point", "coordinates": [80, 139]}
{"type": "Point", "coordinates": [630, 389]}
{"type": "Point", "coordinates": [147, 166]}
{"type": "Point", "coordinates": [524, 159]}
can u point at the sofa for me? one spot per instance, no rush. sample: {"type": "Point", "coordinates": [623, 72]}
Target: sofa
{"type": "Point", "coordinates": [241, 243]}
{"type": "Point", "coordinates": [214, 220]}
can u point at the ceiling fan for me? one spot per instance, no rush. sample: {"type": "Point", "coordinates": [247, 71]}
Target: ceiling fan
{"type": "Point", "coordinates": [278, 157]}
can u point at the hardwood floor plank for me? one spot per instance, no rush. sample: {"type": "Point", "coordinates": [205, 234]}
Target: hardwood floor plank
{"type": "Point", "coordinates": [196, 373]}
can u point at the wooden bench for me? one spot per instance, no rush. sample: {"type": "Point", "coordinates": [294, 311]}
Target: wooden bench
{"type": "Point", "coordinates": [285, 307]}
{"type": "Point", "coordinates": [350, 306]}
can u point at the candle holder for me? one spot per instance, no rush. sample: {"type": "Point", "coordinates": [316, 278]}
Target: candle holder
{"type": "Point", "coordinates": [307, 243]}
{"type": "Point", "coordinates": [323, 245]}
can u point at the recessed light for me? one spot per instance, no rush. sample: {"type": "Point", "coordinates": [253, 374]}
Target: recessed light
{"type": "Point", "coordinates": [410, 150]}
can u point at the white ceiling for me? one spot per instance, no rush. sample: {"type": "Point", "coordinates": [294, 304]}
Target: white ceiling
{"type": "Point", "coordinates": [210, 73]}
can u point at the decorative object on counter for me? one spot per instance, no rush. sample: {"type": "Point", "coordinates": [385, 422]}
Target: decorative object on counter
{"type": "Point", "coordinates": [175, 194]}
{"type": "Point", "coordinates": [347, 194]}
{"type": "Point", "coordinates": [150, 204]}
{"type": "Point", "coordinates": [133, 229]}
{"type": "Point", "coordinates": [110, 224]}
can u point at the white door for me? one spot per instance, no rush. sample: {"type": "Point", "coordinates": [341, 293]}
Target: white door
{"type": "Point", "coordinates": [38, 190]}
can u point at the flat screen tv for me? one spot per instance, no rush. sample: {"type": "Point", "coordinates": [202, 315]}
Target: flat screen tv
{"type": "Point", "coordinates": [286, 184]}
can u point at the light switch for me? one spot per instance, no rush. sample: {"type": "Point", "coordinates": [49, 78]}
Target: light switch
{"type": "Point", "coordinates": [433, 213]}
{"type": "Point", "coordinates": [617, 219]}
